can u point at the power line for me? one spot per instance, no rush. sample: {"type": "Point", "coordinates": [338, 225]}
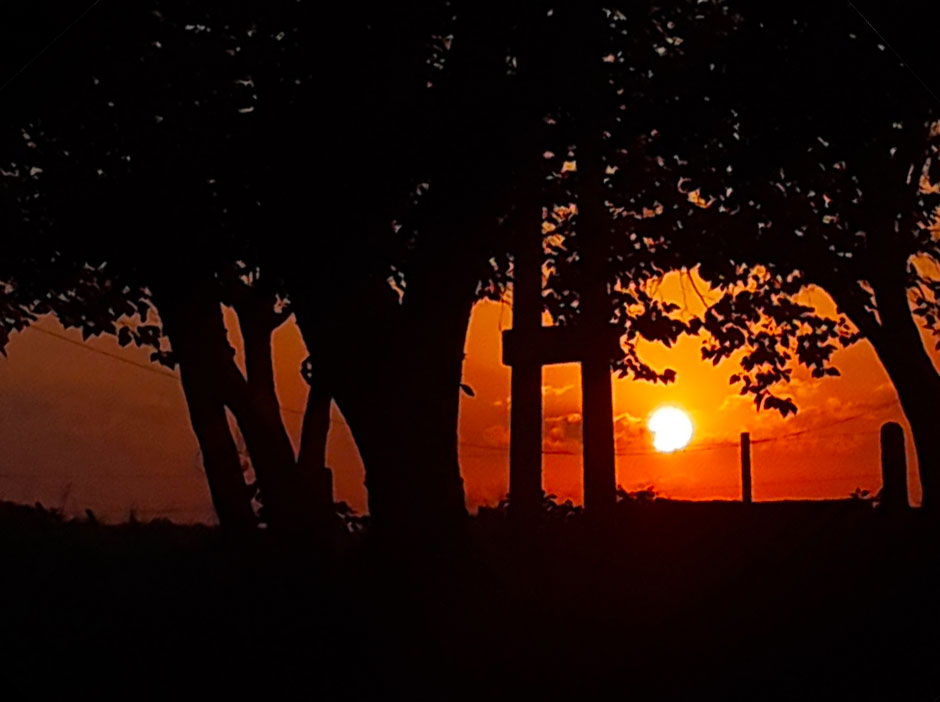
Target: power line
{"type": "Point", "coordinates": [468, 444]}
{"type": "Point", "coordinates": [48, 46]}
{"type": "Point", "coordinates": [702, 447]}
{"type": "Point", "coordinates": [837, 422]}
{"type": "Point", "coordinates": [791, 481]}
{"type": "Point", "coordinates": [714, 445]}
{"type": "Point", "coordinates": [894, 51]}
{"type": "Point", "coordinates": [123, 359]}
{"type": "Point", "coordinates": [153, 476]}
{"type": "Point", "coordinates": [102, 352]}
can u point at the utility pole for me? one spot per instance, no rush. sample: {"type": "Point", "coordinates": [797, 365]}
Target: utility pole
{"type": "Point", "coordinates": [525, 414]}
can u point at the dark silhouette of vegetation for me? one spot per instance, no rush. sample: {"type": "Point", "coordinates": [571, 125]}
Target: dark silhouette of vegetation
{"type": "Point", "coordinates": [773, 601]}
{"type": "Point", "coordinates": [819, 173]}
{"type": "Point", "coordinates": [218, 157]}
{"type": "Point", "coordinates": [128, 190]}
{"type": "Point", "coordinates": [367, 173]}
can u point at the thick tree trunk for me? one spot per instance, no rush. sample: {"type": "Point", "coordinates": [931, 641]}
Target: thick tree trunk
{"type": "Point", "coordinates": [348, 367]}
{"type": "Point", "coordinates": [433, 358]}
{"type": "Point", "coordinates": [199, 344]}
{"type": "Point", "coordinates": [397, 382]}
{"type": "Point", "coordinates": [901, 350]}
{"type": "Point", "coordinates": [918, 395]}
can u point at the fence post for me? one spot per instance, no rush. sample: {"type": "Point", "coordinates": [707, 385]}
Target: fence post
{"type": "Point", "coordinates": [745, 467]}
{"type": "Point", "coordinates": [893, 467]}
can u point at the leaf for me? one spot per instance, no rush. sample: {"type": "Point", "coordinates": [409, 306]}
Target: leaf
{"type": "Point", "coordinates": [467, 389]}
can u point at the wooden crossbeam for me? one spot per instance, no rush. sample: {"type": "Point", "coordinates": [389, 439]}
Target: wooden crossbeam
{"type": "Point", "coordinates": [545, 346]}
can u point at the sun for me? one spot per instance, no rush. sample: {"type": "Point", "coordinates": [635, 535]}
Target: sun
{"type": "Point", "coordinates": [671, 429]}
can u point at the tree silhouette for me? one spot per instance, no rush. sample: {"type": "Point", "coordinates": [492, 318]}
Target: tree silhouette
{"type": "Point", "coordinates": [375, 198]}
{"type": "Point", "coordinates": [820, 172]}
{"type": "Point", "coordinates": [512, 103]}
{"type": "Point", "coordinates": [127, 191]}
{"type": "Point", "coordinates": [204, 132]}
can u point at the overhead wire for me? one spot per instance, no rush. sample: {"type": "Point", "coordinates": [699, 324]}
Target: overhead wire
{"type": "Point", "coordinates": [897, 54]}
{"type": "Point", "coordinates": [49, 45]}
{"type": "Point", "coordinates": [487, 447]}
{"type": "Point", "coordinates": [291, 410]}
{"type": "Point", "coordinates": [815, 431]}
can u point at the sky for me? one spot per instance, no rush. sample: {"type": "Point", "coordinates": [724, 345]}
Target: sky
{"type": "Point", "coordinates": [89, 425]}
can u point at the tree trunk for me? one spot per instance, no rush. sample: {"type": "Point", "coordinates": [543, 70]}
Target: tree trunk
{"type": "Point", "coordinates": [433, 359]}
{"type": "Point", "coordinates": [212, 382]}
{"type": "Point", "coordinates": [231, 496]}
{"type": "Point", "coordinates": [293, 501]}
{"type": "Point", "coordinates": [200, 345]}
{"type": "Point", "coordinates": [311, 457]}
{"type": "Point", "coordinates": [401, 401]}
{"type": "Point", "coordinates": [315, 429]}
{"type": "Point", "coordinates": [901, 350]}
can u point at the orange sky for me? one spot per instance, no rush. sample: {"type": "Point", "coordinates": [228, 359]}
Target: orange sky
{"type": "Point", "coordinates": [82, 429]}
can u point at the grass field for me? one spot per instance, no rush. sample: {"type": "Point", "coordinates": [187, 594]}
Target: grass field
{"type": "Point", "coordinates": [671, 600]}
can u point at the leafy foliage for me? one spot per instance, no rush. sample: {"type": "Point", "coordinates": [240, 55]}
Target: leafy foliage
{"type": "Point", "coordinates": [804, 161]}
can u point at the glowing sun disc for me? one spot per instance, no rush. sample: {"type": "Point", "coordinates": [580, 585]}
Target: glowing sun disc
{"type": "Point", "coordinates": [671, 429]}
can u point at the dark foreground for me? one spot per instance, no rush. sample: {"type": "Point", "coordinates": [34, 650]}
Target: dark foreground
{"type": "Point", "coordinates": [690, 601]}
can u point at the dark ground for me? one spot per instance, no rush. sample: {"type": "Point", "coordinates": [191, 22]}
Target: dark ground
{"type": "Point", "coordinates": [780, 601]}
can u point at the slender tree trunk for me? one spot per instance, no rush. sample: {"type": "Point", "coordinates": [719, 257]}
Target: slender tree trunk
{"type": "Point", "coordinates": [212, 382]}
{"type": "Point", "coordinates": [311, 456]}
{"type": "Point", "coordinates": [199, 344]}
{"type": "Point", "coordinates": [259, 415]}
{"type": "Point", "coordinates": [231, 496]}
{"type": "Point", "coordinates": [315, 429]}
{"type": "Point", "coordinates": [901, 350]}
{"type": "Point", "coordinates": [294, 500]}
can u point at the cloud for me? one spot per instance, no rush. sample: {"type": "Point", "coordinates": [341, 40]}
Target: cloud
{"type": "Point", "coordinates": [734, 401]}
{"type": "Point", "coordinates": [552, 391]}
{"type": "Point", "coordinates": [629, 430]}
{"type": "Point", "coordinates": [496, 435]}
{"type": "Point", "coordinates": [563, 432]}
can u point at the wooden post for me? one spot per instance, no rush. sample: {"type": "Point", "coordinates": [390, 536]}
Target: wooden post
{"type": "Point", "coordinates": [893, 467]}
{"type": "Point", "coordinates": [745, 467]}
{"type": "Point", "coordinates": [592, 341]}
{"type": "Point", "coordinates": [597, 410]}
{"type": "Point", "coordinates": [593, 228]}
{"type": "Point", "coordinates": [525, 418]}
